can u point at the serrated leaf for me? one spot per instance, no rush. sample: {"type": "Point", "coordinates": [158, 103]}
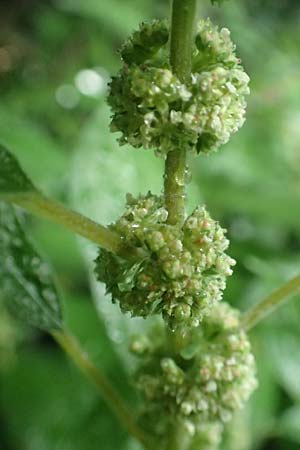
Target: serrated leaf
{"type": "Point", "coordinates": [25, 279]}
{"type": "Point", "coordinates": [12, 178]}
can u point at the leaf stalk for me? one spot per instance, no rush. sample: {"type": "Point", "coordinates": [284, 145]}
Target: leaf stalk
{"type": "Point", "coordinates": [38, 204]}
{"type": "Point", "coordinates": [270, 303]}
{"type": "Point", "coordinates": [117, 405]}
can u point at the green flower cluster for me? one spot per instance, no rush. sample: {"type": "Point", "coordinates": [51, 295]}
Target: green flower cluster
{"type": "Point", "coordinates": [213, 376]}
{"type": "Point", "coordinates": [181, 271]}
{"type": "Point", "coordinates": [153, 109]}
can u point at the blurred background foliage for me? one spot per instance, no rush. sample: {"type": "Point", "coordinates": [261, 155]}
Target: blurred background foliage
{"type": "Point", "coordinates": [55, 60]}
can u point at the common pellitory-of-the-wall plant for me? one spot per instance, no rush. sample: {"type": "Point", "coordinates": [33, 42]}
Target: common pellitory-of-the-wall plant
{"type": "Point", "coordinates": [181, 92]}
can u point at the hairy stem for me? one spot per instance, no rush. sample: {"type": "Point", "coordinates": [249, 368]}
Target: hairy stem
{"type": "Point", "coordinates": [69, 344]}
{"type": "Point", "coordinates": [37, 203]}
{"type": "Point", "coordinates": [182, 32]}
{"type": "Point", "coordinates": [270, 303]}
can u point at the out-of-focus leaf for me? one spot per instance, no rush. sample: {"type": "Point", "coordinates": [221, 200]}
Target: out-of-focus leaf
{"type": "Point", "coordinates": [289, 424]}
{"type": "Point", "coordinates": [80, 317]}
{"type": "Point", "coordinates": [285, 357]}
{"type": "Point", "coordinates": [48, 405]}
{"type": "Point", "coordinates": [264, 403]}
{"type": "Point", "coordinates": [12, 178]}
{"type": "Point", "coordinates": [217, 2]}
{"type": "Point", "coordinates": [8, 339]}
{"type": "Point", "coordinates": [26, 282]}
{"type": "Point", "coordinates": [61, 247]}
{"type": "Point", "coordinates": [267, 203]}
{"type": "Point", "coordinates": [34, 148]}
{"type": "Point", "coordinates": [237, 433]}
{"type": "Point", "coordinates": [121, 17]}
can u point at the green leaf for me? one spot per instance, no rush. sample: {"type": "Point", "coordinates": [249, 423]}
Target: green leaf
{"type": "Point", "coordinates": [218, 2]}
{"type": "Point", "coordinates": [283, 352]}
{"type": "Point", "coordinates": [12, 178]}
{"type": "Point", "coordinates": [47, 405]}
{"type": "Point", "coordinates": [118, 17]}
{"type": "Point", "coordinates": [265, 402]}
{"type": "Point", "coordinates": [25, 279]}
{"type": "Point", "coordinates": [37, 152]}
{"type": "Point", "coordinates": [289, 424]}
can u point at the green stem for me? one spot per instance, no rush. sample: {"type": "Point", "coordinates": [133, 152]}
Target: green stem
{"type": "Point", "coordinates": [177, 340]}
{"type": "Point", "coordinates": [175, 168]}
{"type": "Point", "coordinates": [69, 344]}
{"type": "Point", "coordinates": [178, 438]}
{"type": "Point", "coordinates": [270, 303]}
{"type": "Point", "coordinates": [37, 203]}
{"type": "Point", "coordinates": [182, 32]}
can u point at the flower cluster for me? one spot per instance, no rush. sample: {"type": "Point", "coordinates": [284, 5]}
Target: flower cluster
{"type": "Point", "coordinates": [181, 271]}
{"type": "Point", "coordinates": [152, 108]}
{"type": "Point", "coordinates": [213, 376]}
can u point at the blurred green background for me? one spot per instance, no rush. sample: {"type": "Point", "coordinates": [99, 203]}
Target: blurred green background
{"type": "Point", "coordinates": [55, 60]}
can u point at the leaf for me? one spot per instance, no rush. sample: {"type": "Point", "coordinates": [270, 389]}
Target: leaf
{"type": "Point", "coordinates": [47, 405]}
{"type": "Point", "coordinates": [12, 178]}
{"type": "Point", "coordinates": [289, 424]}
{"type": "Point", "coordinates": [118, 17]}
{"type": "Point", "coordinates": [38, 153]}
{"type": "Point", "coordinates": [25, 279]}
{"type": "Point", "coordinates": [265, 402]}
{"type": "Point", "coordinates": [218, 2]}
{"type": "Point", "coordinates": [283, 351]}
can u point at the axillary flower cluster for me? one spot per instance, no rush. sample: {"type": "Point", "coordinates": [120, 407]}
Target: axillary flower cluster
{"type": "Point", "coordinates": [179, 269]}
{"type": "Point", "coordinates": [211, 377]}
{"type": "Point", "coordinates": [152, 108]}
{"type": "Point", "coordinates": [182, 268]}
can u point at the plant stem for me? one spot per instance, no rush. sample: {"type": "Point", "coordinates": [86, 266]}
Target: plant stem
{"type": "Point", "coordinates": [175, 168]}
{"type": "Point", "coordinates": [178, 438]}
{"type": "Point", "coordinates": [182, 32]}
{"type": "Point", "coordinates": [177, 340]}
{"type": "Point", "coordinates": [270, 303]}
{"type": "Point", "coordinates": [69, 344]}
{"type": "Point", "coordinates": [37, 203]}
